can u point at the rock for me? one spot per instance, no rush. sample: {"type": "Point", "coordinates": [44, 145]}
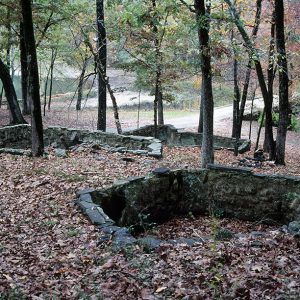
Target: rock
{"type": "Point", "coordinates": [122, 238]}
{"type": "Point", "coordinates": [294, 227]}
{"type": "Point", "coordinates": [16, 151]}
{"type": "Point", "coordinates": [60, 152]}
{"type": "Point", "coordinates": [85, 191]}
{"type": "Point", "coordinates": [259, 155]}
{"type": "Point", "coordinates": [150, 242]}
{"type": "Point", "coordinates": [84, 205]}
{"type": "Point", "coordinates": [246, 145]}
{"type": "Point", "coordinates": [86, 197]}
{"type": "Point", "coordinates": [257, 233]}
{"type": "Point", "coordinates": [97, 216]}
{"type": "Point", "coordinates": [256, 244]}
{"type": "Point", "coordinates": [161, 171]}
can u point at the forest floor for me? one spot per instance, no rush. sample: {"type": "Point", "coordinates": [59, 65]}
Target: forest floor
{"type": "Point", "coordinates": [48, 249]}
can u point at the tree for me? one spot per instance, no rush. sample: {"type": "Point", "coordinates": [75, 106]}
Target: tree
{"type": "Point", "coordinates": [202, 20]}
{"type": "Point", "coordinates": [284, 109]}
{"type": "Point", "coordinates": [101, 65]}
{"type": "Point", "coordinates": [254, 55]}
{"type": "Point", "coordinates": [33, 79]}
{"type": "Point", "coordinates": [11, 96]}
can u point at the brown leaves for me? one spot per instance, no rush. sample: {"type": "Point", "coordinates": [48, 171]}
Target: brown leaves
{"type": "Point", "coordinates": [49, 248]}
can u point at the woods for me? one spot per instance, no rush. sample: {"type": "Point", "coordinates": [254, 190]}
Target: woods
{"type": "Point", "coordinates": [147, 38]}
{"type": "Point", "coordinates": [149, 149]}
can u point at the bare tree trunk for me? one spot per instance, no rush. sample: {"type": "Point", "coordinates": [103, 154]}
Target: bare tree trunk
{"type": "Point", "coordinates": [255, 55]}
{"type": "Point", "coordinates": [24, 72]}
{"type": "Point", "coordinates": [251, 112]}
{"type": "Point", "coordinates": [33, 79]}
{"type": "Point", "coordinates": [11, 96]}
{"type": "Point", "coordinates": [158, 61]}
{"type": "Point", "coordinates": [45, 91]}
{"type": "Point", "coordinates": [1, 95]}
{"type": "Point", "coordinates": [115, 107]}
{"type": "Point", "coordinates": [53, 58]}
{"type": "Point", "coordinates": [101, 62]}
{"type": "Point", "coordinates": [249, 69]}
{"type": "Point", "coordinates": [284, 109]}
{"type": "Point", "coordinates": [271, 73]}
{"type": "Point", "coordinates": [202, 20]}
{"type": "Point", "coordinates": [81, 83]}
{"type": "Point", "coordinates": [200, 126]}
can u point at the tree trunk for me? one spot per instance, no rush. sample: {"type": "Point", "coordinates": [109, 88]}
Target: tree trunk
{"type": "Point", "coordinates": [33, 80]}
{"type": "Point", "coordinates": [284, 109]}
{"type": "Point", "coordinates": [81, 83]}
{"type": "Point", "coordinates": [271, 72]}
{"type": "Point", "coordinates": [262, 83]}
{"type": "Point", "coordinates": [248, 71]}
{"type": "Point", "coordinates": [24, 72]}
{"type": "Point", "coordinates": [202, 20]}
{"type": "Point", "coordinates": [101, 62]}
{"type": "Point", "coordinates": [115, 107]}
{"type": "Point", "coordinates": [158, 62]}
{"type": "Point", "coordinates": [236, 93]}
{"type": "Point", "coordinates": [53, 57]}
{"type": "Point", "coordinates": [200, 126]}
{"type": "Point", "coordinates": [1, 95]}
{"type": "Point", "coordinates": [11, 96]}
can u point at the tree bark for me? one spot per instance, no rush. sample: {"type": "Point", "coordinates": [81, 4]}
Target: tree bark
{"type": "Point", "coordinates": [200, 126]}
{"type": "Point", "coordinates": [81, 83]}
{"type": "Point", "coordinates": [254, 55]}
{"type": "Point", "coordinates": [158, 62]}
{"type": "Point", "coordinates": [101, 65]}
{"type": "Point", "coordinates": [11, 96]}
{"type": "Point", "coordinates": [24, 72]}
{"type": "Point", "coordinates": [271, 72]}
{"type": "Point", "coordinates": [53, 58]}
{"type": "Point", "coordinates": [284, 108]}
{"type": "Point", "coordinates": [33, 80]}
{"type": "Point", "coordinates": [202, 20]}
{"type": "Point", "coordinates": [248, 71]}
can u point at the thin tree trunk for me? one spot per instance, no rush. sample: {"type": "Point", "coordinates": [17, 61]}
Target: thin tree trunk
{"type": "Point", "coordinates": [115, 107]}
{"type": "Point", "coordinates": [271, 71]}
{"type": "Point", "coordinates": [24, 72]}
{"type": "Point", "coordinates": [202, 20]}
{"type": "Point", "coordinates": [33, 79]}
{"type": "Point", "coordinates": [200, 126]}
{"type": "Point", "coordinates": [81, 83]}
{"type": "Point", "coordinates": [236, 93]}
{"type": "Point", "coordinates": [249, 69]}
{"type": "Point", "coordinates": [284, 108]}
{"type": "Point", "coordinates": [11, 96]}
{"type": "Point", "coordinates": [255, 56]}
{"type": "Point", "coordinates": [101, 62]}
{"type": "Point", "coordinates": [259, 129]}
{"type": "Point", "coordinates": [1, 96]}
{"type": "Point", "coordinates": [251, 112]}
{"type": "Point", "coordinates": [158, 101]}
{"type": "Point", "coordinates": [45, 91]}
{"type": "Point", "coordinates": [53, 57]}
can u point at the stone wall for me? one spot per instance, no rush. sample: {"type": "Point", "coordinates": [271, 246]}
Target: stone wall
{"type": "Point", "coordinates": [223, 191]}
{"type": "Point", "coordinates": [172, 136]}
{"type": "Point", "coordinates": [19, 136]}
{"type": "Point", "coordinates": [16, 135]}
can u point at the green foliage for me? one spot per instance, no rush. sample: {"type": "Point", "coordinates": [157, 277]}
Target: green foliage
{"type": "Point", "coordinates": [294, 125]}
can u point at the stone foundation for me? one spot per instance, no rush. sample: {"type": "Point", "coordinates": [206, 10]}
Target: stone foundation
{"type": "Point", "coordinates": [172, 136]}
{"type": "Point", "coordinates": [221, 191]}
{"type": "Point", "coordinates": [19, 136]}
